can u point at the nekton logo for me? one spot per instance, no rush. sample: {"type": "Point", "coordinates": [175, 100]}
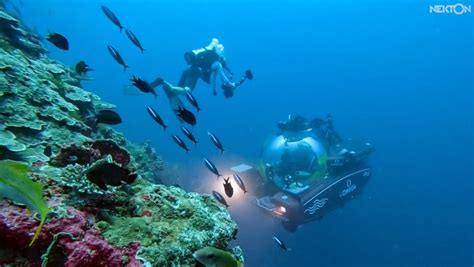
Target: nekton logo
{"type": "Point", "coordinates": [457, 9]}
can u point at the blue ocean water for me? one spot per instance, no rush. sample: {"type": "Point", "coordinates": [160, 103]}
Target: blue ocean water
{"type": "Point", "coordinates": [390, 72]}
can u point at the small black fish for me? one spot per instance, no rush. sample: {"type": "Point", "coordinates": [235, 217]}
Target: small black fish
{"type": "Point", "coordinates": [156, 117]}
{"type": "Point", "coordinates": [193, 101]}
{"type": "Point", "coordinates": [108, 116]}
{"type": "Point", "coordinates": [216, 141]}
{"type": "Point", "coordinates": [229, 190]}
{"type": "Point", "coordinates": [180, 143]}
{"type": "Point", "coordinates": [186, 115]}
{"type": "Point", "coordinates": [134, 39]}
{"type": "Point", "coordinates": [210, 166]}
{"type": "Point", "coordinates": [239, 182]}
{"type": "Point", "coordinates": [58, 40]}
{"type": "Point", "coordinates": [105, 173]}
{"type": "Point", "coordinates": [112, 17]}
{"type": "Point", "coordinates": [189, 135]}
{"type": "Point", "coordinates": [47, 151]}
{"type": "Point", "coordinates": [116, 55]}
{"type": "Point", "coordinates": [220, 198]}
{"type": "Point", "coordinates": [82, 68]}
{"type": "Point", "coordinates": [143, 86]}
{"type": "Point", "coordinates": [281, 244]}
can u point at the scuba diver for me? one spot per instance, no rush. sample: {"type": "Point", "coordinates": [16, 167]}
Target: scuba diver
{"type": "Point", "coordinates": [324, 128]}
{"type": "Point", "coordinates": [172, 92]}
{"type": "Point", "coordinates": [329, 134]}
{"type": "Point", "coordinates": [295, 123]}
{"type": "Point", "coordinates": [207, 63]}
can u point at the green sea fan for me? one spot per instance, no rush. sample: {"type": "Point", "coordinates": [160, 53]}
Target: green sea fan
{"type": "Point", "coordinates": [17, 186]}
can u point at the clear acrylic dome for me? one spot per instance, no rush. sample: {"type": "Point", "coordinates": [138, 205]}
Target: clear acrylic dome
{"type": "Point", "coordinates": [294, 158]}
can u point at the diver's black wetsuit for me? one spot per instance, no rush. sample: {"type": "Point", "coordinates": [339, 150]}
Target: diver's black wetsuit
{"type": "Point", "coordinates": [328, 134]}
{"type": "Point", "coordinates": [200, 67]}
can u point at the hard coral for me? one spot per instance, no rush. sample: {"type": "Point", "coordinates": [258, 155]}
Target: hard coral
{"type": "Point", "coordinates": [88, 248]}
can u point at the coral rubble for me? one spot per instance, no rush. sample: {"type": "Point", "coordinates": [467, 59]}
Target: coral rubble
{"type": "Point", "coordinates": [45, 122]}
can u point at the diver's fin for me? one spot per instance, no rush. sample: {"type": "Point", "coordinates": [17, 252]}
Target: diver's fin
{"type": "Point", "coordinates": [248, 74]}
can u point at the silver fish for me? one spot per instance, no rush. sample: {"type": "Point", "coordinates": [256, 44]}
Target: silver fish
{"type": "Point", "coordinates": [193, 101]}
{"type": "Point", "coordinates": [180, 142]}
{"type": "Point", "coordinates": [210, 166]}
{"type": "Point", "coordinates": [220, 198]}
{"type": "Point", "coordinates": [134, 39]}
{"type": "Point", "coordinates": [112, 17]}
{"type": "Point", "coordinates": [281, 244]}
{"type": "Point", "coordinates": [156, 117]}
{"type": "Point", "coordinates": [116, 55]}
{"type": "Point", "coordinates": [216, 142]}
{"type": "Point", "coordinates": [189, 134]}
{"type": "Point", "coordinates": [239, 182]}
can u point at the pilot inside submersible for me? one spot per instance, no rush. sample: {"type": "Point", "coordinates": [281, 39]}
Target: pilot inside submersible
{"type": "Point", "coordinates": [296, 156]}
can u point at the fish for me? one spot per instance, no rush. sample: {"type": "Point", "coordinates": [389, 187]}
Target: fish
{"type": "Point", "coordinates": [105, 173]}
{"type": "Point", "coordinates": [156, 117]}
{"type": "Point", "coordinates": [58, 40]}
{"type": "Point", "coordinates": [220, 198]}
{"type": "Point", "coordinates": [193, 101]}
{"type": "Point", "coordinates": [189, 135]}
{"type": "Point", "coordinates": [229, 190]}
{"type": "Point", "coordinates": [134, 39]}
{"type": "Point", "coordinates": [186, 115]}
{"type": "Point", "coordinates": [47, 151]}
{"type": "Point", "coordinates": [239, 182]}
{"type": "Point", "coordinates": [281, 244]}
{"type": "Point", "coordinates": [216, 141]}
{"type": "Point", "coordinates": [180, 142]}
{"type": "Point", "coordinates": [210, 166]}
{"type": "Point", "coordinates": [112, 17]}
{"type": "Point", "coordinates": [143, 86]}
{"type": "Point", "coordinates": [108, 116]}
{"type": "Point", "coordinates": [116, 55]}
{"type": "Point", "coordinates": [213, 257]}
{"type": "Point", "coordinates": [82, 68]}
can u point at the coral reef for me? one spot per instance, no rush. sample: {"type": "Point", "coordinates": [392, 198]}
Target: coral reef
{"type": "Point", "coordinates": [45, 121]}
{"type": "Point", "coordinates": [169, 222]}
{"type": "Point", "coordinates": [80, 243]}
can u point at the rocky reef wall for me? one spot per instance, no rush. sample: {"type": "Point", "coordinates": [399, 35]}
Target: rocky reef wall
{"type": "Point", "coordinates": [45, 121]}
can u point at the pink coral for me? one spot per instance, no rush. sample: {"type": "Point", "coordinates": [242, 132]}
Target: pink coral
{"type": "Point", "coordinates": [88, 249]}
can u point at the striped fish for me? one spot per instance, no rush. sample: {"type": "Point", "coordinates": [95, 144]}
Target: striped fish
{"type": "Point", "coordinates": [216, 141]}
{"type": "Point", "coordinates": [112, 17]}
{"type": "Point", "coordinates": [210, 166]}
